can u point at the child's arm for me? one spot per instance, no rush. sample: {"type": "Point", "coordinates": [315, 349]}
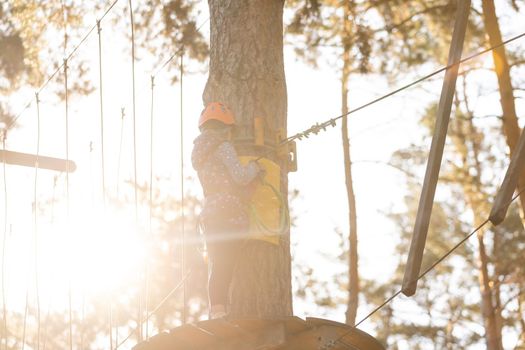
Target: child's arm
{"type": "Point", "coordinates": [241, 174]}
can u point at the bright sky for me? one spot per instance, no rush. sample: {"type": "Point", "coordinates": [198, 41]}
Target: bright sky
{"type": "Point", "coordinates": [313, 96]}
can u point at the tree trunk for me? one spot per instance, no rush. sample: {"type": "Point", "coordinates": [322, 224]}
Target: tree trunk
{"type": "Point", "coordinates": [511, 128]}
{"type": "Point", "coordinates": [521, 316]}
{"type": "Point", "coordinates": [488, 309]}
{"type": "Point", "coordinates": [247, 74]}
{"type": "Point", "coordinates": [466, 138]}
{"type": "Point", "coordinates": [353, 273]}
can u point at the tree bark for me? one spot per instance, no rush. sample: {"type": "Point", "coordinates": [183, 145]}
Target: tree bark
{"type": "Point", "coordinates": [511, 128]}
{"type": "Point", "coordinates": [353, 271]}
{"type": "Point", "coordinates": [521, 315]}
{"type": "Point", "coordinates": [488, 309]}
{"type": "Point", "coordinates": [466, 139]}
{"type": "Point", "coordinates": [247, 74]}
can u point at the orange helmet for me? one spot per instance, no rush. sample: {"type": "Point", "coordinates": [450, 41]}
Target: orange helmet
{"type": "Point", "coordinates": [216, 111]}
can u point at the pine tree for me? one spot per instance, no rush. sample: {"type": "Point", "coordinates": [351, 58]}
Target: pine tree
{"type": "Point", "coordinates": [247, 74]}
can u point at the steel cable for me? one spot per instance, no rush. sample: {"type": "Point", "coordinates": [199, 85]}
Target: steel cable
{"type": "Point", "coordinates": [182, 213]}
{"type": "Point", "coordinates": [102, 153]}
{"type": "Point", "coordinates": [60, 67]}
{"type": "Point", "coordinates": [318, 127]}
{"type": "Point", "coordinates": [70, 297]}
{"type": "Point", "coordinates": [424, 273]}
{"type": "Point", "coordinates": [132, 25]}
{"type": "Point", "coordinates": [35, 216]}
{"type": "Point", "coordinates": [178, 52]}
{"type": "Point", "coordinates": [146, 272]}
{"type": "Point", "coordinates": [3, 134]}
{"type": "Point", "coordinates": [166, 298]}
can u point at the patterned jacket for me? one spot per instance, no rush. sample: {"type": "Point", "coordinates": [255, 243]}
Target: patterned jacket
{"type": "Point", "coordinates": [223, 178]}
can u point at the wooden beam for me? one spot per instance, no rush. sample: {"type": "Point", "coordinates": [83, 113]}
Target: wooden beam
{"type": "Point", "coordinates": [289, 333]}
{"type": "Point", "coordinates": [42, 162]}
{"type": "Point", "coordinates": [509, 184]}
{"type": "Point", "coordinates": [426, 201]}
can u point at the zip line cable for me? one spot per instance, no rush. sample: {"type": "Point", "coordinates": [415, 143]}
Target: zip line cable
{"type": "Point", "coordinates": [166, 298]}
{"type": "Point", "coordinates": [132, 25]}
{"type": "Point", "coordinates": [59, 68]}
{"type": "Point", "coordinates": [430, 268]}
{"type": "Point", "coordinates": [3, 135]}
{"type": "Point", "coordinates": [316, 128]}
{"type": "Point", "coordinates": [35, 216]}
{"type": "Point", "coordinates": [182, 213]}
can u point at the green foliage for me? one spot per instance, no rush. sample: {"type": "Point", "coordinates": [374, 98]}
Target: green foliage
{"type": "Point", "coordinates": [178, 30]}
{"type": "Point", "coordinates": [28, 32]}
{"type": "Point", "coordinates": [317, 25]}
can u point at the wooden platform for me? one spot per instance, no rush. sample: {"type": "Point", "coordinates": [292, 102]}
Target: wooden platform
{"type": "Point", "coordinates": [290, 333]}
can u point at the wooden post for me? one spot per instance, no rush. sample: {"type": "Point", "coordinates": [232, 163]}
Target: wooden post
{"type": "Point", "coordinates": [509, 184]}
{"type": "Point", "coordinates": [31, 160]}
{"type": "Point", "coordinates": [436, 152]}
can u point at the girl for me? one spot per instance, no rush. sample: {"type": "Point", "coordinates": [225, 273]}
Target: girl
{"type": "Point", "coordinates": [225, 183]}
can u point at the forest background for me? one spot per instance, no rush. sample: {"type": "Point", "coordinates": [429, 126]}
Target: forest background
{"type": "Point", "coordinates": [81, 251]}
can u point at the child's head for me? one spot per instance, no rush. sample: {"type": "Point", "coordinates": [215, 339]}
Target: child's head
{"type": "Point", "coordinates": [216, 116]}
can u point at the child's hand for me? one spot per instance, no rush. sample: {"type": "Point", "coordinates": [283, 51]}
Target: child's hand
{"type": "Point", "coordinates": [262, 171]}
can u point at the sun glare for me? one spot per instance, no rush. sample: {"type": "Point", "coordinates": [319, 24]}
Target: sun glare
{"type": "Point", "coordinates": [96, 256]}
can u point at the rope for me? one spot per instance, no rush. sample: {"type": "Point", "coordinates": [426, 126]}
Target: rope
{"type": "Point", "coordinates": [183, 265]}
{"type": "Point", "coordinates": [99, 29]}
{"type": "Point", "coordinates": [283, 214]}
{"type": "Point", "coordinates": [135, 146]}
{"type": "Point", "coordinates": [25, 319]}
{"type": "Point", "coordinates": [60, 67]}
{"type": "Point", "coordinates": [101, 93]}
{"type": "Point", "coordinates": [150, 200]}
{"type": "Point", "coordinates": [52, 217]}
{"type": "Point", "coordinates": [4, 239]}
{"type": "Point", "coordinates": [318, 127]}
{"type": "Point", "coordinates": [166, 298]}
{"type": "Point", "coordinates": [122, 115]}
{"type": "Point", "coordinates": [35, 218]}
{"type": "Point", "coordinates": [66, 90]}
{"type": "Point", "coordinates": [430, 268]}
{"type": "Point", "coordinates": [178, 52]}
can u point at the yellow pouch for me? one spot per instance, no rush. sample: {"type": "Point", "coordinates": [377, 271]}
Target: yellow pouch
{"type": "Point", "coordinates": [268, 219]}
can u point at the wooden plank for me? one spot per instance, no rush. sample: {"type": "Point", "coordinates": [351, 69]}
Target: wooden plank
{"type": "Point", "coordinates": [326, 337]}
{"type": "Point", "coordinates": [271, 336]}
{"type": "Point", "coordinates": [305, 340]}
{"type": "Point", "coordinates": [294, 325]}
{"type": "Point", "coordinates": [426, 201]}
{"type": "Point", "coordinates": [194, 336]}
{"type": "Point", "coordinates": [253, 325]}
{"type": "Point", "coordinates": [43, 162]}
{"type": "Point", "coordinates": [290, 333]}
{"type": "Point", "coordinates": [160, 341]}
{"type": "Point", "coordinates": [345, 336]}
{"type": "Point", "coordinates": [509, 184]}
{"type": "Point", "coordinates": [222, 328]}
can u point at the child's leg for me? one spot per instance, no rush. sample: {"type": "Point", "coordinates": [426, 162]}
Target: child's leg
{"type": "Point", "coordinates": [221, 242]}
{"type": "Point", "coordinates": [222, 258]}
